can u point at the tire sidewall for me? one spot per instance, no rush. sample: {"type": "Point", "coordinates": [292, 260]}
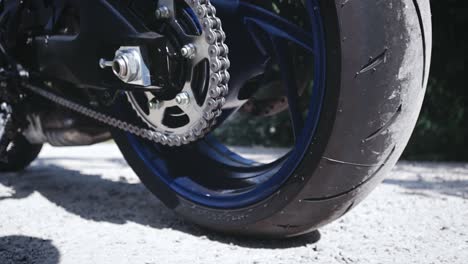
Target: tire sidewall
{"type": "Point", "coordinates": [375, 86]}
{"type": "Point", "coordinates": [231, 220]}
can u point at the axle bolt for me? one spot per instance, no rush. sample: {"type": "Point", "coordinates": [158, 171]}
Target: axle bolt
{"type": "Point", "coordinates": [103, 63]}
{"type": "Point", "coordinates": [125, 66]}
{"type": "Point", "coordinates": [129, 66]}
{"type": "Point", "coordinates": [163, 13]}
{"type": "Point", "coordinates": [182, 98]}
{"type": "Point", "coordinates": [188, 51]}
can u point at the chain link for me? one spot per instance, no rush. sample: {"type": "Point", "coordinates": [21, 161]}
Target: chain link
{"type": "Point", "coordinates": [218, 88]}
{"type": "Point", "coordinates": [218, 82]}
{"type": "Point", "coordinates": [91, 113]}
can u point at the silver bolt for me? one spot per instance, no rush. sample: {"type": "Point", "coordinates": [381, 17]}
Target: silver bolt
{"type": "Point", "coordinates": [188, 51]}
{"type": "Point", "coordinates": [104, 63]}
{"type": "Point", "coordinates": [120, 66]}
{"type": "Point", "coordinates": [182, 98]}
{"type": "Point", "coordinates": [129, 66]}
{"type": "Point", "coordinates": [125, 66]}
{"type": "Point", "coordinates": [163, 13]}
{"type": "Point", "coordinates": [154, 104]}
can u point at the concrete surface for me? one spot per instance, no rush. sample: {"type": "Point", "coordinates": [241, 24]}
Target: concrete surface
{"type": "Point", "coordinates": [84, 205]}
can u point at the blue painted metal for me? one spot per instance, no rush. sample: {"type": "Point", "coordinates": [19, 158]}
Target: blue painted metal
{"type": "Point", "coordinates": [207, 172]}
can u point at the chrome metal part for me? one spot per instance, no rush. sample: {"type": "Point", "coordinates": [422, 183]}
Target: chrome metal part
{"type": "Point", "coordinates": [188, 51]}
{"type": "Point", "coordinates": [182, 98]}
{"type": "Point", "coordinates": [208, 46]}
{"type": "Point", "coordinates": [104, 63]}
{"type": "Point", "coordinates": [62, 129]}
{"type": "Point", "coordinates": [103, 118]}
{"type": "Point", "coordinates": [128, 65]}
{"type": "Point", "coordinates": [154, 104]}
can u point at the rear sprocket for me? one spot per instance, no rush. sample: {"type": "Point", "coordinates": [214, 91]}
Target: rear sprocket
{"type": "Point", "coordinates": [192, 112]}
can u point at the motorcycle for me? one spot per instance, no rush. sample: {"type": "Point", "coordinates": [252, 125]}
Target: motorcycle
{"type": "Point", "coordinates": [163, 78]}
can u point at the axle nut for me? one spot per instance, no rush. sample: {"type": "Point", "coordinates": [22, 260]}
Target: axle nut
{"type": "Point", "coordinates": [126, 66]}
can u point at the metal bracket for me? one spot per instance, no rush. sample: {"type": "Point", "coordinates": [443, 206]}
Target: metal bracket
{"type": "Point", "coordinates": [128, 65]}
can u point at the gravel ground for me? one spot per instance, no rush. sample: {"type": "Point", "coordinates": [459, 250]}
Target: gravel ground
{"type": "Point", "coordinates": [85, 205]}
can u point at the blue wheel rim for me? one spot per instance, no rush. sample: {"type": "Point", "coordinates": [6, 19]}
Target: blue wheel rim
{"type": "Point", "coordinates": [181, 168]}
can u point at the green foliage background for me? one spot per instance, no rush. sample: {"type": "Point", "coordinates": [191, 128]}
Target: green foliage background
{"type": "Point", "coordinates": [442, 129]}
{"type": "Point", "coordinates": [443, 125]}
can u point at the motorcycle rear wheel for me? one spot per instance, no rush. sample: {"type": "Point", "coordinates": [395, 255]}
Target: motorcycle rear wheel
{"type": "Point", "coordinates": [371, 65]}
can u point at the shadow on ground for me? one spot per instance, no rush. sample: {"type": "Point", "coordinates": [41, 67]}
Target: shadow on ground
{"type": "Point", "coordinates": [94, 198]}
{"type": "Point", "coordinates": [433, 178]}
{"type": "Point", "coordinates": [23, 249]}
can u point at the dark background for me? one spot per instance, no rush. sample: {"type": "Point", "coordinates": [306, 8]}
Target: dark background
{"type": "Point", "coordinates": [443, 125]}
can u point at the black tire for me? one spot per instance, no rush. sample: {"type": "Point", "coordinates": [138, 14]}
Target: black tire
{"type": "Point", "coordinates": [378, 56]}
{"type": "Point", "coordinates": [19, 155]}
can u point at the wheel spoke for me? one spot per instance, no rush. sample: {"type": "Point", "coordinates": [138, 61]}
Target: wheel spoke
{"type": "Point", "coordinates": [275, 25]}
{"type": "Point", "coordinates": [290, 84]}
